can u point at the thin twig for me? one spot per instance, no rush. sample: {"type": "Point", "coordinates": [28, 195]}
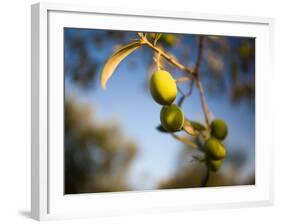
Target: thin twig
{"type": "Point", "coordinates": [190, 87]}
{"type": "Point", "coordinates": [185, 95]}
{"type": "Point", "coordinates": [199, 56]}
{"type": "Point", "coordinates": [181, 91]}
{"type": "Point", "coordinates": [203, 101]}
{"type": "Point", "coordinates": [168, 57]}
{"type": "Point", "coordinates": [182, 79]}
{"type": "Point", "coordinates": [156, 55]}
{"type": "Point", "coordinates": [198, 81]}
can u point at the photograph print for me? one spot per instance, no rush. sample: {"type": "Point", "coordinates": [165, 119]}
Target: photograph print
{"type": "Point", "coordinates": [149, 111]}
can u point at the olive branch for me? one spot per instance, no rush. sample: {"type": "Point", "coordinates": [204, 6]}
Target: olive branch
{"type": "Point", "coordinates": [200, 131]}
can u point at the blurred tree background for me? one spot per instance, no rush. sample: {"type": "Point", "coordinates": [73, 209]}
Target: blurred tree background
{"type": "Point", "coordinates": [99, 155]}
{"type": "Point", "coordinates": [96, 156]}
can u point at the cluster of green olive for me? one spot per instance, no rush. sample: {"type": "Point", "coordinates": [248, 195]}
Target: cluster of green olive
{"type": "Point", "coordinates": [213, 147]}
{"type": "Point", "coordinates": [164, 90]}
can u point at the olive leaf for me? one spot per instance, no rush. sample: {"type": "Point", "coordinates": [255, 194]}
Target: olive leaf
{"type": "Point", "coordinates": [187, 127]}
{"type": "Point", "coordinates": [112, 63]}
{"type": "Point", "coordinates": [185, 140]}
{"type": "Point", "coordinates": [197, 126]}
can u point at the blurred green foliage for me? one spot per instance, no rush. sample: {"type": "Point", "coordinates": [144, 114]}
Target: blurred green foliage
{"type": "Point", "coordinates": [97, 156]}
{"type": "Point", "coordinates": [190, 171]}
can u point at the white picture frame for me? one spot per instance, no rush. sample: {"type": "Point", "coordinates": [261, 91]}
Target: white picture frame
{"type": "Point", "coordinates": [48, 201]}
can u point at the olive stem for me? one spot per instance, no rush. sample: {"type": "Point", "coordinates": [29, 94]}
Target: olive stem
{"type": "Point", "coordinates": [184, 95]}
{"type": "Point", "coordinates": [158, 61]}
{"type": "Point", "coordinates": [198, 81]}
{"type": "Point", "coordinates": [168, 57]}
{"type": "Point", "coordinates": [182, 79]}
{"type": "Point", "coordinates": [203, 101]}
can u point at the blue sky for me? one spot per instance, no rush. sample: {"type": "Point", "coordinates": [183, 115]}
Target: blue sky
{"type": "Point", "coordinates": [138, 115]}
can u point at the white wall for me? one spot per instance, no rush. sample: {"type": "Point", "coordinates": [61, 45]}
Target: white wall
{"type": "Point", "coordinates": [15, 110]}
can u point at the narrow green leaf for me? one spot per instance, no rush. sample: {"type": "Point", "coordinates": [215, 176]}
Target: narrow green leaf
{"type": "Point", "coordinates": [197, 126]}
{"type": "Point", "coordinates": [185, 140]}
{"type": "Point", "coordinates": [112, 63]}
{"type": "Point", "coordinates": [187, 127]}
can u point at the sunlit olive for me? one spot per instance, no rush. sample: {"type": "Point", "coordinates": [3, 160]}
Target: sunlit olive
{"type": "Point", "coordinates": [214, 165]}
{"type": "Point", "coordinates": [214, 149]}
{"type": "Point", "coordinates": [169, 39]}
{"type": "Point", "coordinates": [163, 87]}
{"type": "Point", "coordinates": [172, 118]}
{"type": "Point", "coordinates": [219, 129]}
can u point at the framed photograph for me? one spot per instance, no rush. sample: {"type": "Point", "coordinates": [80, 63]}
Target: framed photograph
{"type": "Point", "coordinates": [137, 111]}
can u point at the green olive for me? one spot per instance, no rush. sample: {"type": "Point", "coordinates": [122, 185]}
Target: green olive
{"type": "Point", "coordinates": [169, 39]}
{"type": "Point", "coordinates": [172, 118]}
{"type": "Point", "coordinates": [214, 165]}
{"type": "Point", "coordinates": [163, 87]}
{"type": "Point", "coordinates": [214, 149]}
{"type": "Point", "coordinates": [219, 129]}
